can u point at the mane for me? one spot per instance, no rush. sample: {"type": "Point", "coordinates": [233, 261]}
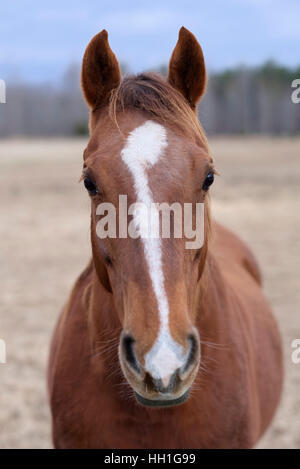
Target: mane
{"type": "Point", "coordinates": [153, 95]}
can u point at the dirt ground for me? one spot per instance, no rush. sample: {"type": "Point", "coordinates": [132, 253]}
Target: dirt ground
{"type": "Point", "coordinates": [44, 233]}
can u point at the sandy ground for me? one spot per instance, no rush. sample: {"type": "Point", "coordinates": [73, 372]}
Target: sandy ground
{"type": "Point", "coordinates": [45, 244]}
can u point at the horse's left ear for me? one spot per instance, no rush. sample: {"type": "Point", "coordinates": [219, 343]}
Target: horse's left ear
{"type": "Point", "coordinates": [100, 72]}
{"type": "Point", "coordinates": [187, 67]}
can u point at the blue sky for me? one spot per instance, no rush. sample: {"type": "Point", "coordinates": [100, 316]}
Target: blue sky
{"type": "Point", "coordinates": [38, 40]}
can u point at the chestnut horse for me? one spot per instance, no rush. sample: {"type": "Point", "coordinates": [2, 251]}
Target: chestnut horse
{"type": "Point", "coordinates": [160, 346]}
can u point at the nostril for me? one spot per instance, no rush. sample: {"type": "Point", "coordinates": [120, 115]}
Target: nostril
{"type": "Point", "coordinates": [128, 348]}
{"type": "Point", "coordinates": [192, 354]}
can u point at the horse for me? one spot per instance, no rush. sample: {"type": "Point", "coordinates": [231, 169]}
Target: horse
{"type": "Point", "coordinates": [159, 346]}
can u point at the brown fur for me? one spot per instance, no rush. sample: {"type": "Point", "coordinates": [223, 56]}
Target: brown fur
{"type": "Point", "coordinates": [217, 292]}
{"type": "Point", "coordinates": [189, 80]}
{"type": "Point", "coordinates": [99, 64]}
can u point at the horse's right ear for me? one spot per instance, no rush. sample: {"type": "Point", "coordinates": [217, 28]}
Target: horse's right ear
{"type": "Point", "coordinates": [100, 72]}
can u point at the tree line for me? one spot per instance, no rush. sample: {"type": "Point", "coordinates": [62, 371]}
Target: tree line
{"type": "Point", "coordinates": [241, 100]}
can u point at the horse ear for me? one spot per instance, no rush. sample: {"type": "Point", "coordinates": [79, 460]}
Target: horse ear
{"type": "Point", "coordinates": [187, 67]}
{"type": "Point", "coordinates": [100, 72]}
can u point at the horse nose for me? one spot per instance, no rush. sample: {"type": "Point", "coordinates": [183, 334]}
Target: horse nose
{"type": "Point", "coordinates": [164, 382]}
{"type": "Point", "coordinates": [169, 382]}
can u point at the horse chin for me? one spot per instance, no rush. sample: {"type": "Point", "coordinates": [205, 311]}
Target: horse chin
{"type": "Point", "coordinates": [162, 402]}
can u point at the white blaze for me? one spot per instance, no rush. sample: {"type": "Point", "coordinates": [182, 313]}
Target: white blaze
{"type": "Point", "coordinates": [144, 147]}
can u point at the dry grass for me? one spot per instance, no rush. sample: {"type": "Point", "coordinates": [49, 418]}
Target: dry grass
{"type": "Point", "coordinates": [45, 243]}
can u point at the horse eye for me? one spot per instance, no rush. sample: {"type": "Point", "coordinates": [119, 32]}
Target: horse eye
{"type": "Point", "coordinates": [208, 181]}
{"type": "Point", "coordinates": [90, 186]}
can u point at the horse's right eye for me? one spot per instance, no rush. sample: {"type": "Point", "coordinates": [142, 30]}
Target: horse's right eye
{"type": "Point", "coordinates": [90, 186]}
{"type": "Point", "coordinates": [208, 181]}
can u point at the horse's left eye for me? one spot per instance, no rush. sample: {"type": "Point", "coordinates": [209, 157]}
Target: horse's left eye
{"type": "Point", "coordinates": [90, 186]}
{"type": "Point", "coordinates": [208, 181]}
